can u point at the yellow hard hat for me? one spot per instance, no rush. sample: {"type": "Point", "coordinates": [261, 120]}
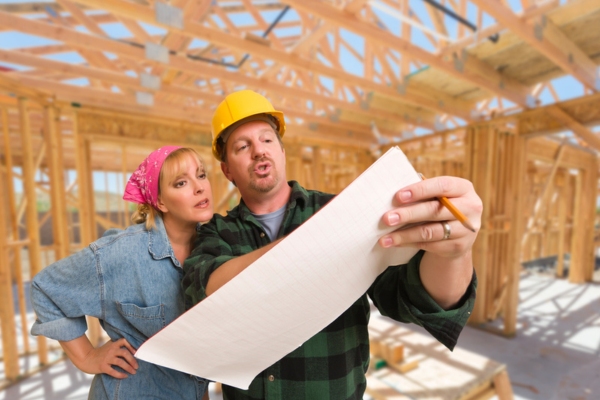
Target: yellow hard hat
{"type": "Point", "coordinates": [238, 106]}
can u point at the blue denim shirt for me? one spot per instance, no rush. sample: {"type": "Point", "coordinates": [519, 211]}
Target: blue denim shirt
{"type": "Point", "coordinates": [131, 281]}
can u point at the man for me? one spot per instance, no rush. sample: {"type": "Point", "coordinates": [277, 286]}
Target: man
{"type": "Point", "coordinates": [436, 289]}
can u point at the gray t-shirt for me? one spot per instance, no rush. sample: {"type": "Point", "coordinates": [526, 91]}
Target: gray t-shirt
{"type": "Point", "coordinates": [271, 222]}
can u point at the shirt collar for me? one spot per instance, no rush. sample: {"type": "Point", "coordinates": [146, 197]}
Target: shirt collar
{"type": "Point", "coordinates": [158, 242]}
{"type": "Point", "coordinates": [298, 198]}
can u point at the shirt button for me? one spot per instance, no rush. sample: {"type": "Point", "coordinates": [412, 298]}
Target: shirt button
{"type": "Point", "coordinates": [271, 378]}
{"type": "Point", "coordinates": [262, 235]}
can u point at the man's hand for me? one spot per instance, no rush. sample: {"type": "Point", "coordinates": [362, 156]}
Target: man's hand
{"type": "Point", "coordinates": [102, 359]}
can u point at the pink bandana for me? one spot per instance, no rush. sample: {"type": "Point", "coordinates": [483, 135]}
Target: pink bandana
{"type": "Point", "coordinates": [142, 186]}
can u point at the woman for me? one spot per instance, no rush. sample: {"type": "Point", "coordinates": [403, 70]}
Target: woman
{"type": "Point", "coordinates": [130, 280]}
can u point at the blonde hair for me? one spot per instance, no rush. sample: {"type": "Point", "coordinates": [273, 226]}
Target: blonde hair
{"type": "Point", "coordinates": [174, 164]}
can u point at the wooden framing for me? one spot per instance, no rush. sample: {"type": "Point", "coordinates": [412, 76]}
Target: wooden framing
{"type": "Point", "coordinates": [554, 45]}
{"type": "Point", "coordinates": [539, 197]}
{"type": "Point", "coordinates": [67, 124]}
{"type": "Point", "coordinates": [10, 352]}
{"type": "Point", "coordinates": [455, 80]}
{"type": "Point", "coordinates": [29, 168]}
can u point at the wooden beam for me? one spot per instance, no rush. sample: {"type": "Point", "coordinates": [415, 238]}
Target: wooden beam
{"type": "Point", "coordinates": [562, 227]}
{"type": "Point", "coordinates": [483, 34]}
{"type": "Point", "coordinates": [176, 42]}
{"type": "Point", "coordinates": [569, 122]}
{"type": "Point", "coordinates": [406, 34]}
{"type": "Point", "coordinates": [80, 16]}
{"type": "Point", "coordinates": [479, 169]}
{"type": "Point", "coordinates": [323, 127]}
{"type": "Point", "coordinates": [323, 124]}
{"type": "Point", "coordinates": [553, 44]}
{"type": "Point", "coordinates": [443, 104]}
{"type": "Point", "coordinates": [95, 56]}
{"type": "Point", "coordinates": [542, 201]}
{"type": "Point", "coordinates": [111, 77]}
{"type": "Point", "coordinates": [71, 69]}
{"type": "Point", "coordinates": [108, 100]}
{"type": "Point", "coordinates": [98, 73]}
{"type": "Point", "coordinates": [272, 38]}
{"type": "Point", "coordinates": [502, 386]}
{"type": "Point", "coordinates": [310, 39]}
{"type": "Point", "coordinates": [30, 7]}
{"type": "Point", "coordinates": [7, 307]}
{"type": "Point", "coordinates": [517, 192]}
{"type": "Point", "coordinates": [14, 87]}
{"type": "Point", "coordinates": [438, 21]}
{"type": "Point", "coordinates": [137, 54]}
{"type": "Point", "coordinates": [355, 6]}
{"type": "Point", "coordinates": [47, 49]}
{"type": "Point", "coordinates": [488, 78]}
{"type": "Point", "coordinates": [223, 205]}
{"type": "Point", "coordinates": [86, 209]}
{"type": "Point", "coordinates": [197, 10]}
{"type": "Point", "coordinates": [33, 230]}
{"type": "Point", "coordinates": [14, 222]}
{"type": "Point", "coordinates": [53, 138]}
{"type": "Point", "coordinates": [578, 228]}
{"type": "Point", "coordinates": [136, 30]}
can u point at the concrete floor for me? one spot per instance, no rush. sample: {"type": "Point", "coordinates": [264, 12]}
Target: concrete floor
{"type": "Point", "coordinates": [555, 352]}
{"type": "Point", "coordinates": [554, 355]}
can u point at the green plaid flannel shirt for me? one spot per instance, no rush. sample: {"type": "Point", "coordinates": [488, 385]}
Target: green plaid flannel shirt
{"type": "Point", "coordinates": [331, 364]}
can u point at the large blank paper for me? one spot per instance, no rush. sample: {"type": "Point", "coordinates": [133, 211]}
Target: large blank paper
{"type": "Point", "coordinates": [295, 290]}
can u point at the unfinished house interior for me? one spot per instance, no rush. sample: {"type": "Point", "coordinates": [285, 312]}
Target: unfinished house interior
{"type": "Point", "coordinates": [503, 93]}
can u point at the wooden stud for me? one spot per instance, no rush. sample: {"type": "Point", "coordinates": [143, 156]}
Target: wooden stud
{"type": "Point", "coordinates": [562, 221]}
{"type": "Point", "coordinates": [87, 222]}
{"type": "Point", "coordinates": [14, 222]}
{"type": "Point", "coordinates": [479, 164]}
{"type": "Point", "coordinates": [7, 318]}
{"type": "Point", "coordinates": [126, 215]}
{"type": "Point", "coordinates": [85, 198]}
{"type": "Point", "coordinates": [540, 205]}
{"type": "Point", "coordinates": [33, 231]}
{"type": "Point", "coordinates": [578, 239]}
{"type": "Point", "coordinates": [57, 184]}
{"type": "Point", "coordinates": [517, 191]}
{"type": "Point", "coordinates": [502, 386]}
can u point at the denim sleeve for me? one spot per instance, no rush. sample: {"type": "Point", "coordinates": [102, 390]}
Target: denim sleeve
{"type": "Point", "coordinates": [65, 292]}
{"type": "Point", "coordinates": [398, 293]}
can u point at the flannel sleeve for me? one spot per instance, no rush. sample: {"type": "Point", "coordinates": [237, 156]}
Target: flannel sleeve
{"type": "Point", "coordinates": [398, 293]}
{"type": "Point", "coordinates": [210, 252]}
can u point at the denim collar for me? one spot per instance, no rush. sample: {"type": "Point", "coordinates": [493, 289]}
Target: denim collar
{"type": "Point", "coordinates": [158, 242]}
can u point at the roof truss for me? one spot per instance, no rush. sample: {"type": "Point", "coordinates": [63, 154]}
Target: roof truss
{"type": "Point", "coordinates": [337, 68]}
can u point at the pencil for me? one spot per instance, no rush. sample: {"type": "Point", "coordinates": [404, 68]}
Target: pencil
{"type": "Point", "coordinates": [455, 211]}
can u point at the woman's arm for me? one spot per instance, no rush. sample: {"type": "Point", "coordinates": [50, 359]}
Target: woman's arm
{"type": "Point", "coordinates": [63, 293]}
{"type": "Point", "coordinates": [101, 360]}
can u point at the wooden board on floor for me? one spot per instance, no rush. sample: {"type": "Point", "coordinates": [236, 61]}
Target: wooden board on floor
{"type": "Point", "coordinates": [441, 374]}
